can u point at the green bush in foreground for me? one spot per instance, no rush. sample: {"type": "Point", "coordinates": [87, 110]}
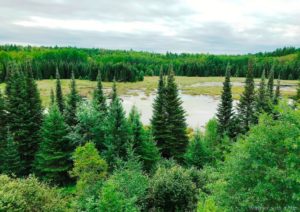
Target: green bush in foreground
{"type": "Point", "coordinates": [28, 195]}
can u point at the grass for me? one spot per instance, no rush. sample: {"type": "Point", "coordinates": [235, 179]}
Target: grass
{"type": "Point", "coordinates": [188, 85]}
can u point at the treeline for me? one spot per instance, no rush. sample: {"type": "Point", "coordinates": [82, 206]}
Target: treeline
{"type": "Point", "coordinates": [105, 161]}
{"type": "Point", "coordinates": [133, 66]}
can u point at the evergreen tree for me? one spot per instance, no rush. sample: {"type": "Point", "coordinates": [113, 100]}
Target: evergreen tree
{"type": "Point", "coordinates": [262, 96]}
{"type": "Point", "coordinates": [114, 91]}
{"type": "Point", "coordinates": [3, 118]}
{"type": "Point", "coordinates": [277, 92]}
{"type": "Point", "coordinates": [136, 127]}
{"type": "Point", "coordinates": [271, 83]}
{"type": "Point", "coordinates": [72, 103]}
{"type": "Point", "coordinates": [24, 115]}
{"type": "Point", "coordinates": [99, 99]}
{"type": "Point", "coordinates": [53, 157]}
{"type": "Point", "coordinates": [59, 94]}
{"type": "Point", "coordinates": [246, 106]}
{"type": "Point", "coordinates": [52, 97]}
{"type": "Point", "coordinates": [298, 91]}
{"type": "Point", "coordinates": [11, 163]}
{"type": "Point", "coordinates": [117, 138]}
{"type": "Point", "coordinates": [225, 111]}
{"type": "Point", "coordinates": [176, 122]}
{"type": "Point", "coordinates": [159, 118]}
{"type": "Point", "coordinates": [197, 153]}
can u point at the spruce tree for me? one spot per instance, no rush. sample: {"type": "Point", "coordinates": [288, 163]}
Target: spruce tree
{"type": "Point", "coordinates": [277, 92]}
{"type": "Point", "coordinates": [59, 95]}
{"type": "Point", "coordinates": [3, 118]}
{"type": "Point", "coordinates": [176, 122]}
{"type": "Point", "coordinates": [99, 99]}
{"type": "Point", "coordinates": [53, 157]}
{"type": "Point", "coordinates": [72, 103]}
{"type": "Point", "coordinates": [271, 83]}
{"type": "Point", "coordinates": [262, 97]}
{"type": "Point", "coordinates": [117, 138]}
{"type": "Point", "coordinates": [24, 115]}
{"type": "Point", "coordinates": [159, 124]}
{"type": "Point", "coordinates": [225, 111]}
{"type": "Point", "coordinates": [11, 164]}
{"type": "Point", "coordinates": [136, 127]}
{"type": "Point", "coordinates": [246, 106]}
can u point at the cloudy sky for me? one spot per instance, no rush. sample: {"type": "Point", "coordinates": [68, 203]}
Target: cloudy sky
{"type": "Point", "coordinates": [214, 26]}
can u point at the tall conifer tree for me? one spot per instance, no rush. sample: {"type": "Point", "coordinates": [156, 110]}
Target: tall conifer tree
{"type": "Point", "coordinates": [52, 97]}
{"type": "Point", "coordinates": [3, 118]}
{"type": "Point", "coordinates": [225, 111]}
{"type": "Point", "coordinates": [271, 83]}
{"type": "Point", "coordinates": [72, 103]}
{"type": "Point", "coordinates": [262, 97]}
{"type": "Point", "coordinates": [59, 95]}
{"type": "Point", "coordinates": [246, 106]}
{"type": "Point", "coordinates": [53, 157]}
{"type": "Point", "coordinates": [117, 139]}
{"type": "Point", "coordinates": [160, 127]}
{"type": "Point", "coordinates": [277, 92]}
{"type": "Point", "coordinates": [178, 140]}
{"type": "Point", "coordinates": [24, 115]}
{"type": "Point", "coordinates": [99, 99]}
{"type": "Point", "coordinates": [136, 127]}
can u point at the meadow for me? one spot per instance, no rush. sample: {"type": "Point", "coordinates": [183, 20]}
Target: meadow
{"type": "Point", "coordinates": [211, 86]}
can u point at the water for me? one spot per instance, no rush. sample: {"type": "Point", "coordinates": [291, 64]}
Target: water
{"type": "Point", "coordinates": [200, 109]}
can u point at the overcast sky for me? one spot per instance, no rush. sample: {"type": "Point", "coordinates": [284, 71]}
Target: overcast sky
{"type": "Point", "coordinates": [206, 26]}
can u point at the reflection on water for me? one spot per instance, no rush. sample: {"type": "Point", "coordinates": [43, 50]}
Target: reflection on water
{"type": "Point", "coordinates": [199, 109]}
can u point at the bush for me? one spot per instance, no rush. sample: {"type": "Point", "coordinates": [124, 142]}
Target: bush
{"type": "Point", "coordinates": [172, 189]}
{"type": "Point", "coordinates": [28, 195]}
{"type": "Point", "coordinates": [262, 172]}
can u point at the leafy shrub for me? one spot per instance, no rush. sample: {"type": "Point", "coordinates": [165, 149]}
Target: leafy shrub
{"type": "Point", "coordinates": [28, 195]}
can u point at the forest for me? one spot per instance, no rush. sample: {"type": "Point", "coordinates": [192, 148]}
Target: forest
{"type": "Point", "coordinates": [82, 155]}
{"type": "Point", "coordinates": [132, 66]}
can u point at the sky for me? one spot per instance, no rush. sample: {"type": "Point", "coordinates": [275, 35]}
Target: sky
{"type": "Point", "coordinates": [192, 26]}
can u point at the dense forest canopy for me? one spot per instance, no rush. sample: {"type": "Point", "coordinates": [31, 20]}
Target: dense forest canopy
{"type": "Point", "coordinates": [134, 65]}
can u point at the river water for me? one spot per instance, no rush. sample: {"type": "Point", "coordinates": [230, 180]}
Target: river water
{"type": "Point", "coordinates": [199, 109]}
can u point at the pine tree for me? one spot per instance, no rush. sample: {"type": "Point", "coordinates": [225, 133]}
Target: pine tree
{"type": "Point", "coordinates": [59, 94]}
{"type": "Point", "coordinates": [114, 91]}
{"type": "Point", "coordinates": [246, 106]}
{"type": "Point", "coordinates": [117, 138]}
{"type": "Point", "coordinates": [99, 99]}
{"type": "Point", "coordinates": [159, 124]}
{"type": "Point", "coordinates": [225, 111]}
{"type": "Point", "coordinates": [271, 83]}
{"type": "Point", "coordinates": [277, 92]}
{"type": "Point", "coordinates": [53, 157]}
{"type": "Point", "coordinates": [178, 140]}
{"type": "Point", "coordinates": [136, 127]}
{"type": "Point", "coordinates": [24, 115]}
{"type": "Point", "coordinates": [3, 118]}
{"type": "Point", "coordinates": [262, 96]}
{"type": "Point", "coordinates": [72, 103]}
{"type": "Point", "coordinates": [11, 157]}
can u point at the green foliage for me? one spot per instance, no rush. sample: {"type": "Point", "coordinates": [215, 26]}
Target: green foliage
{"type": "Point", "coordinates": [225, 110]}
{"type": "Point", "coordinates": [176, 121]}
{"type": "Point", "coordinates": [262, 172]}
{"type": "Point", "coordinates": [11, 163]}
{"type": "Point", "coordinates": [277, 92]}
{"type": "Point", "coordinates": [172, 189]}
{"type": "Point", "coordinates": [99, 99]}
{"type": "Point", "coordinates": [72, 103]}
{"type": "Point", "coordinates": [90, 126]}
{"type": "Point", "coordinates": [90, 170]}
{"type": "Point", "coordinates": [262, 98]}
{"type": "Point", "coordinates": [197, 153]}
{"type": "Point", "coordinates": [59, 95]}
{"type": "Point", "coordinates": [208, 205]}
{"type": "Point", "coordinates": [271, 83]}
{"type": "Point", "coordinates": [117, 138]}
{"type": "Point", "coordinates": [24, 114]}
{"type": "Point", "coordinates": [29, 195]}
{"type": "Point", "coordinates": [246, 106]}
{"type": "Point", "coordinates": [53, 157]}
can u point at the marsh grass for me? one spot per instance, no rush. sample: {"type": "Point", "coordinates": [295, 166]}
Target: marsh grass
{"type": "Point", "coordinates": [186, 84]}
